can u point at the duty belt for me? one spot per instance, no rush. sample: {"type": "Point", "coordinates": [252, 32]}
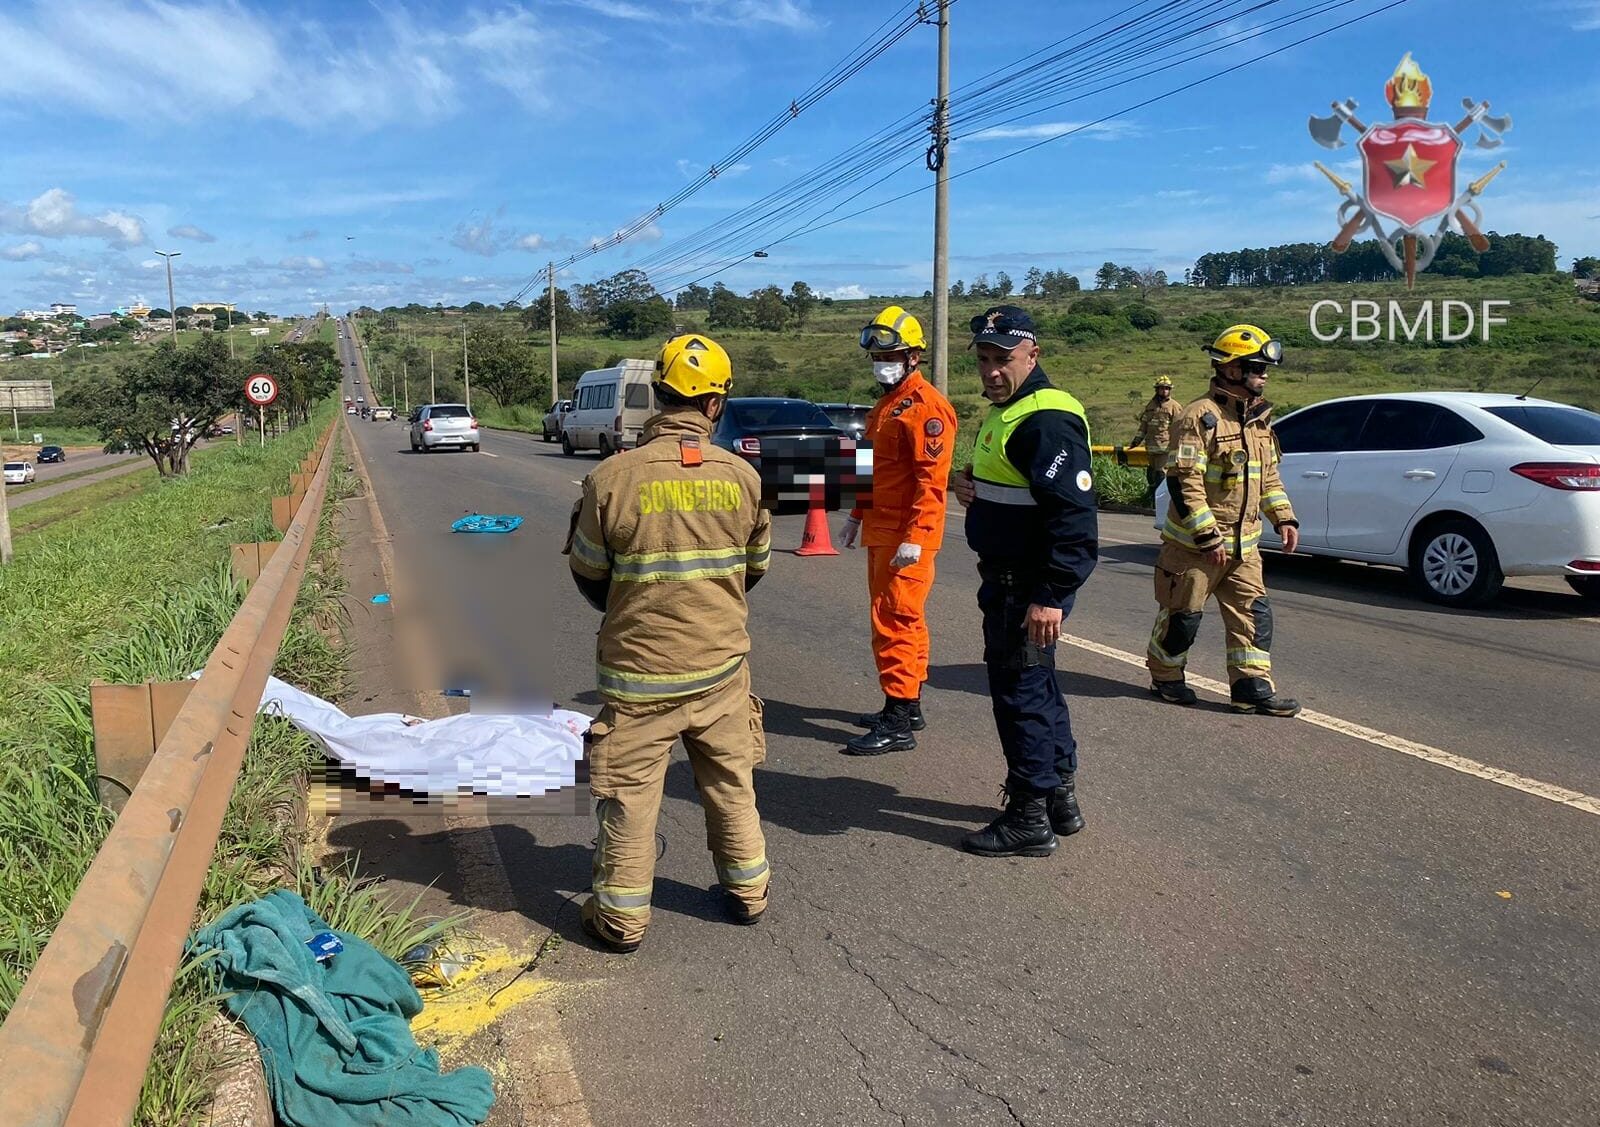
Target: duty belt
{"type": "Point", "coordinates": [1003, 494]}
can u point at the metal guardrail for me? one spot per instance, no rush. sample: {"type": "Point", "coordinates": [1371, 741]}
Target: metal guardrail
{"type": "Point", "coordinates": [1123, 455]}
{"type": "Point", "coordinates": [75, 1047]}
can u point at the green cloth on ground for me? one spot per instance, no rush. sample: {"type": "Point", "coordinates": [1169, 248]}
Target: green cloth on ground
{"type": "Point", "coordinates": [335, 1037]}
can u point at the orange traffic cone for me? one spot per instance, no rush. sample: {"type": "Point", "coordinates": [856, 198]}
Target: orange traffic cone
{"type": "Point", "coordinates": [816, 541]}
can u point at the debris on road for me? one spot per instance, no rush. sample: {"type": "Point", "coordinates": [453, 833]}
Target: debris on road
{"type": "Point", "coordinates": [380, 599]}
{"type": "Point", "coordinates": [486, 522]}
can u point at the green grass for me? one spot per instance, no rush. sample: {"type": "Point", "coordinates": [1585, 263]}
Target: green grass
{"type": "Point", "coordinates": [53, 435]}
{"type": "Point", "coordinates": [1552, 333]}
{"type": "Point", "coordinates": [24, 490]}
{"type": "Point", "coordinates": [139, 589]}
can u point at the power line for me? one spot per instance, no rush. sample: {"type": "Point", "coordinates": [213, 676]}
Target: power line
{"type": "Point", "coordinates": [805, 230]}
{"type": "Point", "coordinates": [900, 24]}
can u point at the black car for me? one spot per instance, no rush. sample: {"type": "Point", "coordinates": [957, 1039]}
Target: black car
{"type": "Point", "coordinates": [51, 454]}
{"type": "Point", "coordinates": [848, 417]}
{"type": "Point", "coordinates": [746, 422]}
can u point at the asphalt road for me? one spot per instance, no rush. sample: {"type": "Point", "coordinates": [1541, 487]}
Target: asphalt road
{"type": "Point", "coordinates": [1266, 921]}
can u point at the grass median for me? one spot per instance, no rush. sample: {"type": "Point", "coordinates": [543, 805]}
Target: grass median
{"type": "Point", "coordinates": [139, 589]}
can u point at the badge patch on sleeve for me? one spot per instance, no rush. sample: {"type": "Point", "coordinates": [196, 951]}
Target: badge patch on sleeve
{"type": "Point", "coordinates": [934, 427]}
{"type": "Point", "coordinates": [1085, 481]}
{"type": "Point", "coordinates": [1187, 453]}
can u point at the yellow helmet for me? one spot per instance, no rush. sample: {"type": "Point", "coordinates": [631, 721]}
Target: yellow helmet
{"type": "Point", "coordinates": [893, 330]}
{"type": "Point", "coordinates": [1245, 342]}
{"type": "Point", "coordinates": [1163, 381]}
{"type": "Point", "coordinates": [694, 365]}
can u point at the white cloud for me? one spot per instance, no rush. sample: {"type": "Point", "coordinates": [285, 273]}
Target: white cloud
{"type": "Point", "coordinates": [22, 251]}
{"type": "Point", "coordinates": [303, 264]}
{"type": "Point", "coordinates": [1096, 131]}
{"type": "Point", "coordinates": [54, 215]}
{"type": "Point", "coordinates": [793, 14]}
{"type": "Point", "coordinates": [304, 236]}
{"type": "Point", "coordinates": [852, 292]}
{"type": "Point", "coordinates": [379, 266]}
{"type": "Point", "coordinates": [190, 231]}
{"type": "Point", "coordinates": [1585, 14]}
{"type": "Point", "coordinates": [532, 242]}
{"type": "Point", "coordinates": [160, 59]}
{"type": "Point", "coordinates": [1293, 173]}
{"type": "Point", "coordinates": [481, 238]}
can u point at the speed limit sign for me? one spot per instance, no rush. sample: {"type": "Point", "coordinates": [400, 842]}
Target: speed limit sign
{"type": "Point", "coordinates": [261, 390]}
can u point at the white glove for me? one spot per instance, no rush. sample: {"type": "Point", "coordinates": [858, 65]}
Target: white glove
{"type": "Point", "coordinates": [906, 555]}
{"type": "Point", "coordinates": [851, 532]}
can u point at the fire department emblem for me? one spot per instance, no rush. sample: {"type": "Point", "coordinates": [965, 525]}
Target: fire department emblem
{"type": "Point", "coordinates": [1409, 195]}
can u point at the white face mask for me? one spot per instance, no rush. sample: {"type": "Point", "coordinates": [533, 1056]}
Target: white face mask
{"type": "Point", "coordinates": [887, 371]}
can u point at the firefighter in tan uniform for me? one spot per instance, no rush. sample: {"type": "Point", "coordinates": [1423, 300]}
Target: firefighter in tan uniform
{"type": "Point", "coordinates": [1223, 477]}
{"type": "Point", "coordinates": [666, 541]}
{"type": "Point", "coordinates": [1155, 429]}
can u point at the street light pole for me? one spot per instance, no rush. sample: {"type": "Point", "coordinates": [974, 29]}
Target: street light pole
{"type": "Point", "coordinates": [172, 309]}
{"type": "Point", "coordinates": [939, 162]}
{"type": "Point", "coordinates": [433, 393]}
{"type": "Point", "coordinates": [230, 329]}
{"type": "Point", "coordinates": [466, 376]}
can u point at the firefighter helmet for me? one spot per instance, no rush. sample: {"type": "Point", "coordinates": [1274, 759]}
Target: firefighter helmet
{"type": "Point", "coordinates": [893, 330]}
{"type": "Point", "coordinates": [1245, 342]}
{"type": "Point", "coordinates": [693, 365]}
{"type": "Point", "coordinates": [1163, 381]}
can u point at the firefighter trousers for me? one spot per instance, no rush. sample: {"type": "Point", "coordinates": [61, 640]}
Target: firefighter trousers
{"type": "Point", "coordinates": [628, 746]}
{"type": "Point", "coordinates": [1185, 579]}
{"type": "Point", "coordinates": [899, 624]}
{"type": "Point", "coordinates": [1156, 471]}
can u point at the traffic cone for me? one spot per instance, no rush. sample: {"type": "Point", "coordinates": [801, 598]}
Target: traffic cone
{"type": "Point", "coordinates": [816, 541]}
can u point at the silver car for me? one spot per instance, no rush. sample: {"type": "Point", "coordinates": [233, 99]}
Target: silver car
{"type": "Point", "coordinates": [439, 425]}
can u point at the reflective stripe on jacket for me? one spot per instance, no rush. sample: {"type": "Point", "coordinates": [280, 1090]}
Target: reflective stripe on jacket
{"type": "Point", "coordinates": [677, 529]}
{"type": "Point", "coordinates": [1222, 476]}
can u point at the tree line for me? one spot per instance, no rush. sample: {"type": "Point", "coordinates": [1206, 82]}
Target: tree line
{"type": "Point", "coordinates": [1298, 264]}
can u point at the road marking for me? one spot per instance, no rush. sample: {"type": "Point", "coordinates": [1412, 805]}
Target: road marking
{"type": "Point", "coordinates": [486, 454]}
{"type": "Point", "coordinates": [1536, 787]}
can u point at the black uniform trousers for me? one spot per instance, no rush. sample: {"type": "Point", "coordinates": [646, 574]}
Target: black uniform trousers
{"type": "Point", "coordinates": [1030, 712]}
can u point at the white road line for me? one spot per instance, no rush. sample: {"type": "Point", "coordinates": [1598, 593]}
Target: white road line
{"type": "Point", "coordinates": [1539, 789]}
{"type": "Point", "coordinates": [486, 454]}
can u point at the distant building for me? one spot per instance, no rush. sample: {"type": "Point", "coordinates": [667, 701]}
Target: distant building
{"type": "Point", "coordinates": [34, 314]}
{"type": "Point", "coordinates": [214, 306]}
{"type": "Point", "coordinates": [104, 321]}
{"type": "Point", "coordinates": [259, 331]}
{"type": "Point", "coordinates": [139, 310]}
{"type": "Point", "coordinates": [59, 307]}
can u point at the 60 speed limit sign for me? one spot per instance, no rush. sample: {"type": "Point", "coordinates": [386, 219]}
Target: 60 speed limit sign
{"type": "Point", "coordinates": [261, 390]}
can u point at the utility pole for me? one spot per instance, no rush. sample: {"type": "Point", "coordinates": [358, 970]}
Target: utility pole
{"type": "Point", "coordinates": [433, 393]}
{"type": "Point", "coordinates": [172, 310]}
{"type": "Point", "coordinates": [405, 381]}
{"type": "Point", "coordinates": [939, 163]}
{"type": "Point", "coordinates": [555, 384]}
{"type": "Point", "coordinates": [230, 329]}
{"type": "Point", "coordinates": [466, 376]}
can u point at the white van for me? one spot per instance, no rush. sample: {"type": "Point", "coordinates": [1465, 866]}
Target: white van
{"type": "Point", "coordinates": [609, 408]}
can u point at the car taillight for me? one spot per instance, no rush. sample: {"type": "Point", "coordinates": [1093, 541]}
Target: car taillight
{"type": "Point", "coordinates": [474, 424]}
{"type": "Point", "coordinates": [427, 424]}
{"type": "Point", "coordinates": [1561, 475]}
{"type": "Point", "coordinates": [1585, 565]}
{"type": "Point", "coordinates": [750, 447]}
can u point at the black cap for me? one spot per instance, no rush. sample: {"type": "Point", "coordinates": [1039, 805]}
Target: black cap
{"type": "Point", "coordinates": [1005, 326]}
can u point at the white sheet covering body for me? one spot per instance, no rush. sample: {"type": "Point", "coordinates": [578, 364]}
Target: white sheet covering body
{"type": "Point", "coordinates": [512, 756]}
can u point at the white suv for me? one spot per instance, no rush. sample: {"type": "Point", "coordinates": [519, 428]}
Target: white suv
{"type": "Point", "coordinates": [440, 425]}
{"type": "Point", "coordinates": [1460, 489]}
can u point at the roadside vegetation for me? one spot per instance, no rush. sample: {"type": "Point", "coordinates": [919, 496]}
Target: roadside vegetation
{"type": "Point", "coordinates": [139, 589]}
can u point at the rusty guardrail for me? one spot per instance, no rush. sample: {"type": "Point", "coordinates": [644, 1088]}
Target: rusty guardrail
{"type": "Point", "coordinates": [75, 1047]}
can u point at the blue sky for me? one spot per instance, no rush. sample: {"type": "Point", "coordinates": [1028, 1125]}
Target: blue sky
{"type": "Point", "coordinates": [379, 153]}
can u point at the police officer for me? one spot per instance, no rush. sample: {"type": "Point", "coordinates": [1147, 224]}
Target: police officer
{"type": "Point", "coordinates": [1222, 477]}
{"type": "Point", "coordinates": [1032, 521]}
{"type": "Point", "coordinates": [912, 429]}
{"type": "Point", "coordinates": [1155, 430]}
{"type": "Point", "coordinates": [666, 540]}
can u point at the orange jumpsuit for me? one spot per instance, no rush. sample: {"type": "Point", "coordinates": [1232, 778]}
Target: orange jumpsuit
{"type": "Point", "coordinates": [913, 434]}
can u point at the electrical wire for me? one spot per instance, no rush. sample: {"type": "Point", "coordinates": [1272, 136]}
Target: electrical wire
{"type": "Point", "coordinates": [900, 24]}
{"type": "Point", "coordinates": [814, 226]}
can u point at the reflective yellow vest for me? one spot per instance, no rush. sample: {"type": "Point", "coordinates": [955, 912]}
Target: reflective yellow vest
{"type": "Point", "coordinates": [994, 477]}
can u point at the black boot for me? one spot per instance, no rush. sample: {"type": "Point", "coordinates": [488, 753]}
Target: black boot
{"type": "Point", "coordinates": [873, 719]}
{"type": "Point", "coordinates": [1173, 692]}
{"type": "Point", "coordinates": [1065, 817]}
{"type": "Point", "coordinates": [1022, 831]}
{"type": "Point", "coordinates": [891, 733]}
{"type": "Point", "coordinates": [1256, 694]}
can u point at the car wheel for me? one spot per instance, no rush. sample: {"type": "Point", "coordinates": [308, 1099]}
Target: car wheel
{"type": "Point", "coordinates": [566, 445]}
{"type": "Point", "coordinates": [548, 437]}
{"type": "Point", "coordinates": [605, 447]}
{"type": "Point", "coordinates": [477, 447]}
{"type": "Point", "coordinates": [1586, 585]}
{"type": "Point", "coordinates": [1454, 563]}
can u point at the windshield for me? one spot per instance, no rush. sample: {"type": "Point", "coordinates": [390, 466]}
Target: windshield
{"type": "Point", "coordinates": [1559, 426]}
{"type": "Point", "coordinates": [448, 411]}
{"type": "Point", "coordinates": [756, 414]}
{"type": "Point", "coordinates": [16, 465]}
{"type": "Point", "coordinates": [846, 416]}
